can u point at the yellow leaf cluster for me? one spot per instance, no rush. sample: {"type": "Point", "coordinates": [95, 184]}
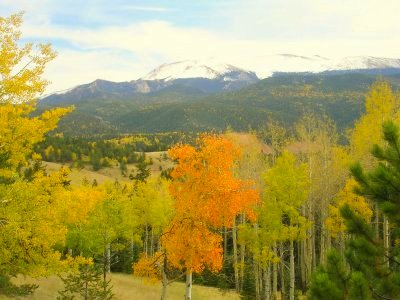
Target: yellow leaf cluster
{"type": "Point", "coordinates": [358, 204]}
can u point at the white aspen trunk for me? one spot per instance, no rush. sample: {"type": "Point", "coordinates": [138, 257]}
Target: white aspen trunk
{"type": "Point", "coordinates": [146, 240]}
{"type": "Point", "coordinates": [386, 244]}
{"type": "Point", "coordinates": [282, 266]}
{"type": "Point", "coordinates": [275, 276]}
{"type": "Point", "coordinates": [376, 221]}
{"type": "Point", "coordinates": [257, 280]}
{"type": "Point", "coordinates": [260, 280]}
{"type": "Point", "coordinates": [108, 258]}
{"type": "Point", "coordinates": [310, 253]}
{"type": "Point", "coordinates": [188, 293]}
{"type": "Point", "coordinates": [242, 256]}
{"type": "Point", "coordinates": [292, 275]}
{"type": "Point", "coordinates": [105, 266]}
{"type": "Point", "coordinates": [303, 254]}
{"type": "Point", "coordinates": [235, 255]}
{"type": "Point", "coordinates": [256, 270]}
{"type": "Point", "coordinates": [267, 282]}
{"type": "Point", "coordinates": [152, 242]}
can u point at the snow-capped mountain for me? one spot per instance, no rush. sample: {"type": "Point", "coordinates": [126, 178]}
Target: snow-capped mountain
{"type": "Point", "coordinates": [193, 76]}
{"type": "Point", "coordinates": [211, 76]}
{"type": "Point", "coordinates": [267, 65]}
{"type": "Point", "coordinates": [199, 69]}
{"type": "Point", "coordinates": [364, 62]}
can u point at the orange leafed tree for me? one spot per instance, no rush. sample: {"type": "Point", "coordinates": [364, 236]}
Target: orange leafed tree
{"type": "Point", "coordinates": [207, 196]}
{"type": "Point", "coordinates": [204, 182]}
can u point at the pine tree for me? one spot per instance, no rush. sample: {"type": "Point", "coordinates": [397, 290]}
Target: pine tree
{"type": "Point", "coordinates": [373, 270]}
{"type": "Point", "coordinates": [86, 283]}
{"type": "Point", "coordinates": [142, 173]}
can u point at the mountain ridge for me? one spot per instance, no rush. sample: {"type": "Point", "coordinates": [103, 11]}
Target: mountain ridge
{"type": "Point", "coordinates": [180, 108]}
{"type": "Point", "coordinates": [230, 77]}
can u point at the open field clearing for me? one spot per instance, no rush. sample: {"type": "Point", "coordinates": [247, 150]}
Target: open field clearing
{"type": "Point", "coordinates": [126, 287]}
{"type": "Point", "coordinates": [112, 173]}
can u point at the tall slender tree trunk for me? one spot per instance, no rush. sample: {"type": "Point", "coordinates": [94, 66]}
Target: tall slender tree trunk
{"type": "Point", "coordinates": [303, 255]}
{"type": "Point", "coordinates": [257, 279]}
{"type": "Point", "coordinates": [292, 274]}
{"type": "Point", "coordinates": [275, 275]}
{"type": "Point", "coordinates": [108, 258]}
{"type": "Point", "coordinates": [235, 255]}
{"type": "Point", "coordinates": [188, 293]}
{"type": "Point", "coordinates": [300, 262]}
{"type": "Point", "coordinates": [105, 266]}
{"type": "Point", "coordinates": [386, 241]}
{"type": "Point", "coordinates": [146, 240]}
{"type": "Point", "coordinates": [308, 247]}
{"type": "Point", "coordinates": [376, 221]}
{"type": "Point", "coordinates": [242, 256]}
{"type": "Point", "coordinates": [267, 282]}
{"type": "Point", "coordinates": [282, 271]}
{"type": "Point", "coordinates": [151, 242]}
{"type": "Point", "coordinates": [322, 251]}
{"type": "Point", "coordinates": [260, 279]}
{"type": "Point", "coordinates": [314, 252]}
{"type": "Point", "coordinates": [256, 271]}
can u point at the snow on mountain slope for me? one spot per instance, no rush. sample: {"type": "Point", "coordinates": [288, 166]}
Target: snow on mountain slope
{"type": "Point", "coordinates": [211, 75]}
{"type": "Point", "coordinates": [364, 62]}
{"type": "Point", "coordinates": [269, 64]}
{"type": "Point", "coordinates": [193, 69]}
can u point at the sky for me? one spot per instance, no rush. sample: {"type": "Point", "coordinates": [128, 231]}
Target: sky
{"type": "Point", "coordinates": [123, 40]}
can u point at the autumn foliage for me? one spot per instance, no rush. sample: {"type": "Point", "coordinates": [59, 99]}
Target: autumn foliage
{"type": "Point", "coordinates": [207, 196]}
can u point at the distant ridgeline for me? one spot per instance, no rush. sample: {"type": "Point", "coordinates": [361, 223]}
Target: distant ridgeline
{"type": "Point", "coordinates": [197, 105]}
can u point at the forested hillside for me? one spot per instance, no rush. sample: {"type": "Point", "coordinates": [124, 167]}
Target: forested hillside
{"type": "Point", "coordinates": [284, 98]}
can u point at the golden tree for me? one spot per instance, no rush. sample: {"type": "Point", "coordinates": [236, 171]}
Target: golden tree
{"type": "Point", "coordinates": [207, 196]}
{"type": "Point", "coordinates": [30, 222]}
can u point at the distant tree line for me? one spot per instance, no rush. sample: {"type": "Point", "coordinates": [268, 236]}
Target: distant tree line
{"type": "Point", "coordinates": [101, 153]}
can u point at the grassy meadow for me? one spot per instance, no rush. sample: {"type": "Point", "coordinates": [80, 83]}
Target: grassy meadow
{"type": "Point", "coordinates": [110, 174]}
{"type": "Point", "coordinates": [126, 287]}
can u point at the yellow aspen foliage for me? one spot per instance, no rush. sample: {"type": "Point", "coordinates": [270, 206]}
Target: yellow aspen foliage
{"type": "Point", "coordinates": [381, 104]}
{"type": "Point", "coordinates": [19, 132]}
{"type": "Point", "coordinates": [358, 204]}
{"type": "Point", "coordinates": [287, 188]}
{"type": "Point", "coordinates": [151, 203]}
{"type": "Point", "coordinates": [30, 221]}
{"type": "Point", "coordinates": [21, 68]}
{"type": "Point", "coordinates": [78, 202]}
{"type": "Point", "coordinates": [149, 267]}
{"type": "Point", "coordinates": [31, 225]}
